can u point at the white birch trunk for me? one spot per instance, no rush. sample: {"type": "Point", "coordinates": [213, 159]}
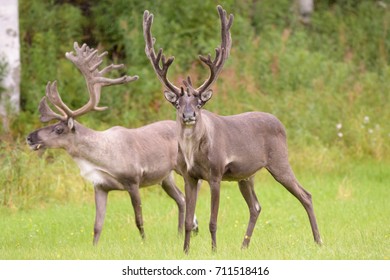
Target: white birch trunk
{"type": "Point", "coordinates": [305, 9]}
{"type": "Point", "coordinates": [10, 50]}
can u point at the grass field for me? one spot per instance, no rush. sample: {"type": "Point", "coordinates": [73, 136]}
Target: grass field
{"type": "Point", "coordinates": [350, 200]}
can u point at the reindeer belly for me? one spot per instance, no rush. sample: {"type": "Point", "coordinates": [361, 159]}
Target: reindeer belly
{"type": "Point", "coordinates": [235, 171]}
{"type": "Point", "coordinates": [97, 176]}
{"type": "Point", "coordinates": [153, 178]}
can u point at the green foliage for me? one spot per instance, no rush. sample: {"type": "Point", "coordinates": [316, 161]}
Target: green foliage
{"type": "Point", "coordinates": [311, 92]}
{"type": "Point", "coordinates": [3, 71]}
{"type": "Point", "coordinates": [267, 16]}
{"type": "Point", "coordinates": [358, 34]}
{"type": "Point", "coordinates": [47, 32]}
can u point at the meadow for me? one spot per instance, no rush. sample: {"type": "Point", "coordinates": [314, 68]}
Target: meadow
{"type": "Point", "coordinates": [327, 82]}
{"type": "Point", "coordinates": [350, 200]}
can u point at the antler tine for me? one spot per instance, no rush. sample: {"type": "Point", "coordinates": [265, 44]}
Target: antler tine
{"type": "Point", "coordinates": [158, 59]}
{"type": "Point", "coordinates": [225, 32]}
{"type": "Point", "coordinates": [55, 98]}
{"type": "Point", "coordinates": [221, 52]}
{"type": "Point", "coordinates": [87, 60]}
{"type": "Point", "coordinates": [190, 89]}
{"type": "Point", "coordinates": [47, 114]}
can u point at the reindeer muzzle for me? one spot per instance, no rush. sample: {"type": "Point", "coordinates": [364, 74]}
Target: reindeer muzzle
{"type": "Point", "coordinates": [33, 143]}
{"type": "Point", "coordinates": [189, 121]}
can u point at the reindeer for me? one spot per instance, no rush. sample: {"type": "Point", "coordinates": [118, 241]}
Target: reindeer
{"type": "Point", "coordinates": [114, 159]}
{"type": "Point", "coordinates": [224, 148]}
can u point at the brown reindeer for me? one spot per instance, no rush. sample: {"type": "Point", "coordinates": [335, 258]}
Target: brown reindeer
{"type": "Point", "coordinates": [224, 148]}
{"type": "Point", "coordinates": [114, 159]}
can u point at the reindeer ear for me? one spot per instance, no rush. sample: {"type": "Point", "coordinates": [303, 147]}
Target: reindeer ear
{"type": "Point", "coordinates": [170, 96]}
{"type": "Point", "coordinates": [205, 96]}
{"type": "Point", "coordinates": [71, 123]}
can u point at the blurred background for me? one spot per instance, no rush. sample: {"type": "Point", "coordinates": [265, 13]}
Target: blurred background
{"type": "Point", "coordinates": [323, 70]}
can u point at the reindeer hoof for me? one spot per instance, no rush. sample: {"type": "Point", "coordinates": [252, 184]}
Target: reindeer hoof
{"type": "Point", "coordinates": [245, 243]}
{"type": "Point", "coordinates": [319, 242]}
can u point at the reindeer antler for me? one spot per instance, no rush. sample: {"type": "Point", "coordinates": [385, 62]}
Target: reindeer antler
{"type": "Point", "coordinates": [47, 114]}
{"type": "Point", "coordinates": [156, 59]}
{"type": "Point", "coordinates": [87, 61]}
{"type": "Point", "coordinates": [221, 54]}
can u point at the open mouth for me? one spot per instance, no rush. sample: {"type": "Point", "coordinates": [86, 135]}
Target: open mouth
{"type": "Point", "coordinates": [189, 122]}
{"type": "Point", "coordinates": [35, 147]}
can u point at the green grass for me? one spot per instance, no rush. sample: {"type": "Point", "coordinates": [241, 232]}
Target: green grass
{"type": "Point", "coordinates": [350, 200]}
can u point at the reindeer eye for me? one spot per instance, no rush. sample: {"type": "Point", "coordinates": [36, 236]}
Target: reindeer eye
{"type": "Point", "coordinates": [177, 105]}
{"type": "Point", "coordinates": [59, 130]}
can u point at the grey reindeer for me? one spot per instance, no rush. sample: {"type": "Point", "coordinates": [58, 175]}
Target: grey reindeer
{"type": "Point", "coordinates": [224, 148]}
{"type": "Point", "coordinates": [114, 159]}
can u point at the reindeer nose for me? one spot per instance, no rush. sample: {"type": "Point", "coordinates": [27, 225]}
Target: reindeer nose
{"type": "Point", "coordinates": [188, 115]}
{"type": "Point", "coordinates": [30, 138]}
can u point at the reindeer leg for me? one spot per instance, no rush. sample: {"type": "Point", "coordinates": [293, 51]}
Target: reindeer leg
{"type": "Point", "coordinates": [137, 206]}
{"type": "Point", "coordinates": [191, 194]}
{"type": "Point", "coordinates": [215, 194]}
{"type": "Point", "coordinates": [248, 192]}
{"type": "Point", "coordinates": [285, 176]}
{"type": "Point", "coordinates": [195, 227]}
{"type": "Point", "coordinates": [169, 186]}
{"type": "Point", "coordinates": [100, 204]}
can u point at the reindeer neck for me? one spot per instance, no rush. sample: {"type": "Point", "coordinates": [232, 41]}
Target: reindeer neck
{"type": "Point", "coordinates": [194, 143]}
{"type": "Point", "coordinates": [192, 137]}
{"type": "Point", "coordinates": [85, 141]}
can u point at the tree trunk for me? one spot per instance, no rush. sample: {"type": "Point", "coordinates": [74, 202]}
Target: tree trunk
{"type": "Point", "coordinates": [305, 9]}
{"type": "Point", "coordinates": [10, 52]}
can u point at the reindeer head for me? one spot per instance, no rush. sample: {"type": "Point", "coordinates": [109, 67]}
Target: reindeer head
{"type": "Point", "coordinates": [60, 135]}
{"type": "Point", "coordinates": [188, 100]}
